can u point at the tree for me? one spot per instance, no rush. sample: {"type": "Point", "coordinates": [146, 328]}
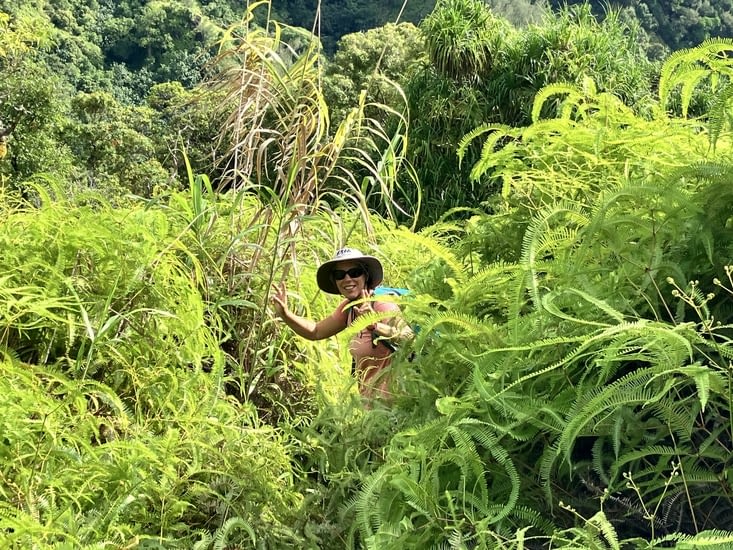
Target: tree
{"type": "Point", "coordinates": [183, 121]}
{"type": "Point", "coordinates": [31, 101]}
{"type": "Point", "coordinates": [333, 19]}
{"type": "Point", "coordinates": [520, 13]}
{"type": "Point", "coordinates": [362, 61]}
{"type": "Point", "coordinates": [110, 146]}
{"type": "Point", "coordinates": [483, 70]}
{"type": "Point", "coordinates": [677, 23]}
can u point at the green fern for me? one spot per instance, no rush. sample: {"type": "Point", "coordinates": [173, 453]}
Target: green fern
{"type": "Point", "coordinates": [541, 239]}
{"type": "Point", "coordinates": [680, 66]}
{"type": "Point", "coordinates": [714, 539]}
{"type": "Point", "coordinates": [224, 534]}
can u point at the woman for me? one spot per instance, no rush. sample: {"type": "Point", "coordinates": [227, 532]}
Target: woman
{"type": "Point", "coordinates": [354, 276]}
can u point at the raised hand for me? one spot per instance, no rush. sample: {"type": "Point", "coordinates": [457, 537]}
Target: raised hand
{"type": "Point", "coordinates": [279, 300]}
{"type": "Point", "coordinates": [367, 306]}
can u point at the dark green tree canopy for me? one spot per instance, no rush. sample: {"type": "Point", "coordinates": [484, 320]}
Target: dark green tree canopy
{"type": "Point", "coordinates": [675, 23]}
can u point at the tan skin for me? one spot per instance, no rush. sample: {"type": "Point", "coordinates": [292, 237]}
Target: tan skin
{"type": "Point", "coordinates": [354, 290]}
{"type": "Point", "coordinates": [351, 289]}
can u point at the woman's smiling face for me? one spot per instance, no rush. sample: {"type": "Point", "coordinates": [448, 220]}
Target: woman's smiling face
{"type": "Point", "coordinates": [350, 288]}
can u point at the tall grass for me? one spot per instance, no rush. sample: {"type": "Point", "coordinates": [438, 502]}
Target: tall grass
{"type": "Point", "coordinates": [279, 152]}
{"type": "Point", "coordinates": [117, 427]}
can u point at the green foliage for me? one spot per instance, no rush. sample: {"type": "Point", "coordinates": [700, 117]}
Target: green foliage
{"type": "Point", "coordinates": [124, 48]}
{"type": "Point", "coordinates": [182, 122]}
{"type": "Point", "coordinates": [102, 474]}
{"type": "Point", "coordinates": [31, 107]}
{"type": "Point", "coordinates": [29, 101]}
{"type": "Point", "coordinates": [569, 383]}
{"type": "Point", "coordinates": [520, 13]}
{"type": "Point", "coordinates": [103, 143]}
{"type": "Point", "coordinates": [687, 69]}
{"type": "Point", "coordinates": [109, 146]}
{"type": "Point", "coordinates": [371, 60]}
{"type": "Point", "coordinates": [18, 38]}
{"type": "Point", "coordinates": [278, 137]}
{"type": "Point", "coordinates": [117, 303]}
{"type": "Point", "coordinates": [670, 25]}
{"type": "Point", "coordinates": [567, 48]}
{"type": "Point", "coordinates": [678, 24]}
{"type": "Point", "coordinates": [462, 36]}
{"type": "Point", "coordinates": [332, 20]}
{"type": "Point", "coordinates": [167, 37]}
{"type": "Point", "coordinates": [592, 367]}
{"type": "Point", "coordinates": [114, 385]}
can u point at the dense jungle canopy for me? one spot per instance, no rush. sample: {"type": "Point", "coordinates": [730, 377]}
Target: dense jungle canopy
{"type": "Point", "coordinates": [672, 24]}
{"type": "Point", "coordinates": [551, 184]}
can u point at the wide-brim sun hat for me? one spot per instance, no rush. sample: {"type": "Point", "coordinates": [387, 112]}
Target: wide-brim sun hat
{"type": "Point", "coordinates": [324, 275]}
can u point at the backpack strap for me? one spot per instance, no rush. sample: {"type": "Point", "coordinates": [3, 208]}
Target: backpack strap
{"type": "Point", "coordinates": [350, 317]}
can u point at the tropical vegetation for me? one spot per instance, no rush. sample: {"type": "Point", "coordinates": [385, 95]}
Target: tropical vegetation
{"type": "Point", "coordinates": [569, 383]}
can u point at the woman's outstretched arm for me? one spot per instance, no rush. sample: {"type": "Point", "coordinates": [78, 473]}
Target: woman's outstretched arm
{"type": "Point", "coordinates": [306, 328]}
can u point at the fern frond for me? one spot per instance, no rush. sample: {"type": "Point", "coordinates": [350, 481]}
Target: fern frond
{"type": "Point", "coordinates": [498, 150]}
{"type": "Point", "coordinates": [486, 285]}
{"type": "Point", "coordinates": [225, 532]}
{"type": "Point", "coordinates": [425, 242]}
{"type": "Point", "coordinates": [529, 516]}
{"type": "Point", "coordinates": [549, 305]}
{"type": "Point", "coordinates": [204, 542]}
{"type": "Point", "coordinates": [366, 502]}
{"type": "Point", "coordinates": [600, 521]}
{"type": "Point", "coordinates": [416, 494]}
{"type": "Point", "coordinates": [462, 326]}
{"type": "Point", "coordinates": [542, 238]}
{"type": "Point", "coordinates": [556, 88]}
{"type": "Point", "coordinates": [714, 539]}
{"type": "Point", "coordinates": [682, 67]}
{"type": "Point", "coordinates": [586, 342]}
{"type": "Point", "coordinates": [720, 112]}
{"type": "Point", "coordinates": [522, 417]}
{"type": "Point", "coordinates": [481, 432]}
{"type": "Point", "coordinates": [633, 389]}
{"type": "Point", "coordinates": [636, 455]}
{"type": "Point", "coordinates": [482, 129]}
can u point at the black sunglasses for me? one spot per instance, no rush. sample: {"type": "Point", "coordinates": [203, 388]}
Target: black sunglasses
{"type": "Point", "coordinates": [354, 273]}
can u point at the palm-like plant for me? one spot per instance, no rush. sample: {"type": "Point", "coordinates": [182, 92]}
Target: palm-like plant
{"type": "Point", "coordinates": [463, 37]}
{"type": "Point", "coordinates": [565, 48]}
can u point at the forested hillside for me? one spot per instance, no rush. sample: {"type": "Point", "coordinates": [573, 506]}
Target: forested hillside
{"type": "Point", "coordinates": [555, 201]}
{"type": "Point", "coordinates": [674, 24]}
